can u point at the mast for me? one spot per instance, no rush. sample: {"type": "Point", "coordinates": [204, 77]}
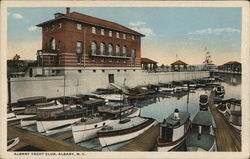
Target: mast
{"type": "Point", "coordinates": [64, 90]}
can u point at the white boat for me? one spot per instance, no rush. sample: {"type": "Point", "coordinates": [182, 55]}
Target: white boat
{"type": "Point", "coordinates": [201, 136]}
{"type": "Point", "coordinates": [111, 97]}
{"type": "Point", "coordinates": [59, 129]}
{"type": "Point", "coordinates": [124, 130]}
{"type": "Point", "coordinates": [87, 128]}
{"type": "Point", "coordinates": [166, 88]}
{"type": "Point", "coordinates": [220, 91]}
{"type": "Point", "coordinates": [173, 131]}
{"type": "Point", "coordinates": [13, 142]}
{"type": "Point", "coordinates": [17, 108]}
{"type": "Point", "coordinates": [10, 115]}
{"type": "Point", "coordinates": [60, 119]}
{"type": "Point", "coordinates": [19, 117]}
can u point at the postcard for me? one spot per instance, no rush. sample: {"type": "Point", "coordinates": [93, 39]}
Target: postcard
{"type": "Point", "coordinates": [124, 79]}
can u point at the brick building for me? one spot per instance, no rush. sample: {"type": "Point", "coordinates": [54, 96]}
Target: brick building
{"type": "Point", "coordinates": [81, 41]}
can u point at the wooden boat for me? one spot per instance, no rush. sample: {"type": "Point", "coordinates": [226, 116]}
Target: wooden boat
{"type": "Point", "coordinates": [173, 131]}
{"type": "Point", "coordinates": [124, 130]}
{"type": "Point", "coordinates": [87, 128]}
{"type": "Point", "coordinates": [166, 87]}
{"type": "Point", "coordinates": [233, 114]}
{"type": "Point", "coordinates": [203, 102]}
{"type": "Point", "coordinates": [201, 136]}
{"type": "Point", "coordinates": [13, 142]}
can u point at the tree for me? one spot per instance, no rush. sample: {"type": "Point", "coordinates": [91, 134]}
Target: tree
{"type": "Point", "coordinates": [15, 64]}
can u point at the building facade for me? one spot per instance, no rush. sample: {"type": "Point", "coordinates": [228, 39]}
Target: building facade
{"type": "Point", "coordinates": [75, 40]}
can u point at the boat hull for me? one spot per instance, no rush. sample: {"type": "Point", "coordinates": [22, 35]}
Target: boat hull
{"type": "Point", "coordinates": [43, 126]}
{"type": "Point", "coordinates": [87, 132]}
{"type": "Point", "coordinates": [111, 140]}
{"type": "Point", "coordinates": [27, 122]}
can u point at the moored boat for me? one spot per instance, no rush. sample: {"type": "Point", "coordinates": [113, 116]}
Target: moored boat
{"type": "Point", "coordinates": [168, 87]}
{"type": "Point", "coordinates": [220, 91]}
{"type": "Point", "coordinates": [124, 130]}
{"type": "Point", "coordinates": [201, 136]}
{"type": "Point", "coordinates": [87, 128]}
{"type": "Point", "coordinates": [12, 142]}
{"type": "Point", "coordinates": [203, 102]}
{"type": "Point", "coordinates": [173, 131]}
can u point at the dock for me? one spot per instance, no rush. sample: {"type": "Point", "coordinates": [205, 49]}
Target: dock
{"type": "Point", "coordinates": [144, 142]}
{"type": "Point", "coordinates": [28, 138]}
{"type": "Point", "coordinates": [227, 138]}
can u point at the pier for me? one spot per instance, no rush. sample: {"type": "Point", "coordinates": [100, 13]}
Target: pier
{"type": "Point", "coordinates": [44, 143]}
{"type": "Point", "coordinates": [144, 142]}
{"type": "Point", "coordinates": [227, 138]}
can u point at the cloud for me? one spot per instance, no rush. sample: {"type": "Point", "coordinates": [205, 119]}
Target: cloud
{"type": "Point", "coordinates": [8, 13]}
{"type": "Point", "coordinates": [145, 31]}
{"type": "Point", "coordinates": [214, 31]}
{"type": "Point", "coordinates": [17, 16]}
{"type": "Point", "coordinates": [136, 23]}
{"type": "Point", "coordinates": [32, 28]}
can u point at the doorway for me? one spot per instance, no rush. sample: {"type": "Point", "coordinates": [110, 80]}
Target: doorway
{"type": "Point", "coordinates": [111, 78]}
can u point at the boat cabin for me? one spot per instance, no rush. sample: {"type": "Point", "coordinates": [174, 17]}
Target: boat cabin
{"type": "Point", "coordinates": [109, 112]}
{"type": "Point", "coordinates": [203, 102]}
{"type": "Point", "coordinates": [174, 127]}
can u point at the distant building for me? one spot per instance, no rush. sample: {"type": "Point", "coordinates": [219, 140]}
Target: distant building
{"type": "Point", "coordinates": [75, 41]}
{"type": "Point", "coordinates": [179, 66]}
{"type": "Point", "coordinates": [148, 64]}
{"type": "Point", "coordinates": [231, 66]}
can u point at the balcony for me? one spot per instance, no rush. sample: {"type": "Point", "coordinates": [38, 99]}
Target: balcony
{"type": "Point", "coordinates": [108, 56]}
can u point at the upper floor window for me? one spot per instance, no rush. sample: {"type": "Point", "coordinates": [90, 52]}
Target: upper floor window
{"type": "Point", "coordinates": [79, 47]}
{"type": "Point", "coordinates": [102, 49]}
{"type": "Point", "coordinates": [60, 25]}
{"type": "Point", "coordinates": [53, 44]}
{"type": "Point", "coordinates": [110, 49]}
{"type": "Point", "coordinates": [110, 33]}
{"type": "Point", "coordinates": [102, 32]}
{"type": "Point", "coordinates": [59, 45]}
{"type": "Point", "coordinates": [47, 29]}
{"type": "Point", "coordinates": [124, 51]}
{"type": "Point", "coordinates": [93, 30]}
{"type": "Point", "coordinates": [79, 26]}
{"type": "Point", "coordinates": [93, 48]}
{"type": "Point", "coordinates": [133, 37]}
{"type": "Point", "coordinates": [117, 35]}
{"type": "Point", "coordinates": [133, 53]}
{"type": "Point", "coordinates": [124, 36]}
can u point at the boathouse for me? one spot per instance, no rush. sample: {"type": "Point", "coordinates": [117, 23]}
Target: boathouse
{"type": "Point", "coordinates": [148, 64]}
{"type": "Point", "coordinates": [75, 41]}
{"type": "Point", "coordinates": [179, 66]}
{"type": "Point", "coordinates": [231, 66]}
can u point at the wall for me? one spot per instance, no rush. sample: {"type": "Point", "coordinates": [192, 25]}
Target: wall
{"type": "Point", "coordinates": [87, 81]}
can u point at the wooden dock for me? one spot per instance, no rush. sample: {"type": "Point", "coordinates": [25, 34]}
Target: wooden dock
{"type": "Point", "coordinates": [226, 137]}
{"type": "Point", "coordinates": [144, 142]}
{"type": "Point", "coordinates": [28, 138]}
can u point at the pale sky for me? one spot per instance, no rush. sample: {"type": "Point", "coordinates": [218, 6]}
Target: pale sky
{"type": "Point", "coordinates": [171, 33]}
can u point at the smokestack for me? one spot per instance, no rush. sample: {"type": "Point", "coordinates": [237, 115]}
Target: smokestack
{"type": "Point", "coordinates": [67, 10]}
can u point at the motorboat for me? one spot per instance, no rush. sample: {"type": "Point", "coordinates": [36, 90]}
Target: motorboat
{"type": "Point", "coordinates": [12, 142]}
{"type": "Point", "coordinates": [220, 91]}
{"type": "Point", "coordinates": [173, 131]}
{"type": "Point", "coordinates": [203, 102]}
{"type": "Point", "coordinates": [124, 130]}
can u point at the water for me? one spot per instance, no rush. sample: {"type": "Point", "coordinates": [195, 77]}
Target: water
{"type": "Point", "coordinates": [160, 106]}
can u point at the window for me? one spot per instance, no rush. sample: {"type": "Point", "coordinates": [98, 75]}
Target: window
{"type": "Point", "coordinates": [117, 50]}
{"type": "Point", "coordinates": [93, 48]}
{"type": "Point", "coordinates": [110, 33]}
{"type": "Point", "coordinates": [124, 36]}
{"type": "Point", "coordinates": [52, 27]}
{"type": "Point", "coordinates": [47, 29]}
{"type": "Point", "coordinates": [102, 32]}
{"type": "Point", "coordinates": [79, 26]}
{"type": "Point", "coordinates": [59, 45]}
{"type": "Point", "coordinates": [133, 55]}
{"type": "Point", "coordinates": [60, 25]}
{"type": "Point", "coordinates": [117, 35]}
{"type": "Point", "coordinates": [110, 49]}
{"type": "Point", "coordinates": [78, 47]}
{"type": "Point", "coordinates": [79, 58]}
{"type": "Point", "coordinates": [53, 44]}
{"type": "Point", "coordinates": [133, 37]}
{"type": "Point", "coordinates": [102, 49]}
{"type": "Point", "coordinates": [124, 51]}
{"type": "Point", "coordinates": [93, 30]}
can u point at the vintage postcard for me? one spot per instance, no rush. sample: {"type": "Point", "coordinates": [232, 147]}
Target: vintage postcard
{"type": "Point", "coordinates": [110, 79]}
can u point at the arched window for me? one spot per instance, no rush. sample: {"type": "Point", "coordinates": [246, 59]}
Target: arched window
{"type": "Point", "coordinates": [102, 49]}
{"type": "Point", "coordinates": [124, 51]}
{"type": "Point", "coordinates": [117, 50]}
{"type": "Point", "coordinates": [53, 44]}
{"type": "Point", "coordinates": [110, 49]}
{"type": "Point", "coordinates": [93, 48]}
